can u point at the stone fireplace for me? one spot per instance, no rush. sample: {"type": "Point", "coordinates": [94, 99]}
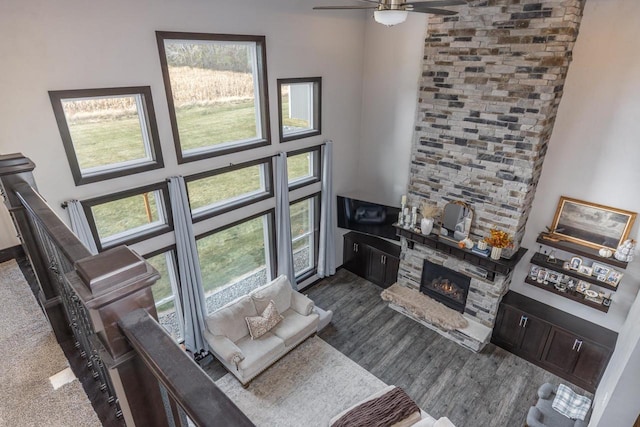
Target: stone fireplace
{"type": "Point", "coordinates": [492, 80]}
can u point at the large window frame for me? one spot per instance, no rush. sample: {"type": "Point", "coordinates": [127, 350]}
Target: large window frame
{"type": "Point", "coordinates": [260, 79]}
{"type": "Point", "coordinates": [269, 238]}
{"type": "Point", "coordinates": [148, 128]}
{"type": "Point", "coordinates": [174, 281]}
{"type": "Point", "coordinates": [234, 203]}
{"type": "Point", "coordinates": [315, 107]}
{"type": "Point", "coordinates": [315, 233]}
{"type": "Point", "coordinates": [140, 235]}
{"type": "Point", "coordinates": [316, 167]}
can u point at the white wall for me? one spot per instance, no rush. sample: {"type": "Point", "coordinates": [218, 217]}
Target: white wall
{"type": "Point", "coordinates": [74, 44]}
{"type": "Point", "coordinates": [595, 147]}
{"type": "Point", "coordinates": [390, 82]}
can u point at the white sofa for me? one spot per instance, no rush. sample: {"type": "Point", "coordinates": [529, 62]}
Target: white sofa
{"type": "Point", "coordinates": [228, 335]}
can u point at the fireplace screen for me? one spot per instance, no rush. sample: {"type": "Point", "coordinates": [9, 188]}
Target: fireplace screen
{"type": "Point", "coordinates": [445, 285]}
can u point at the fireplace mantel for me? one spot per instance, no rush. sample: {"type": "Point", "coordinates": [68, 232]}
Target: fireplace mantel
{"type": "Point", "coordinates": [502, 266]}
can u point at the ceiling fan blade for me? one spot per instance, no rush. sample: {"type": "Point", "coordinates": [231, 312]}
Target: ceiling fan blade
{"type": "Point", "coordinates": [433, 11]}
{"type": "Point", "coordinates": [370, 1]}
{"type": "Point", "coordinates": [343, 7]}
{"type": "Point", "coordinates": [436, 3]}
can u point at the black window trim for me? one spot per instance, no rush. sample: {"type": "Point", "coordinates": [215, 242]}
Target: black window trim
{"type": "Point", "coordinates": [57, 96]}
{"type": "Point", "coordinates": [263, 92]}
{"type": "Point", "coordinates": [238, 204]}
{"type": "Point", "coordinates": [317, 110]}
{"type": "Point", "coordinates": [136, 237]}
{"type": "Point", "coordinates": [271, 215]}
{"type": "Point", "coordinates": [317, 167]}
{"type": "Point", "coordinates": [317, 206]}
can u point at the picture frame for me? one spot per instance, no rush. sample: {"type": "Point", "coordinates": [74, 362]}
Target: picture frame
{"type": "Point", "coordinates": [553, 277]}
{"type": "Point", "coordinates": [613, 278]}
{"type": "Point", "coordinates": [533, 273]}
{"type": "Point", "coordinates": [600, 269]}
{"type": "Point", "coordinates": [542, 275]}
{"type": "Point", "coordinates": [582, 286]}
{"type": "Point", "coordinates": [591, 224]}
{"type": "Point", "coordinates": [586, 270]}
{"type": "Point", "coordinates": [575, 262]}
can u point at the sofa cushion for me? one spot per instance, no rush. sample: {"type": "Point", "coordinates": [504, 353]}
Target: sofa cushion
{"type": "Point", "coordinates": [229, 320]}
{"type": "Point", "coordinates": [260, 325]}
{"type": "Point", "coordinates": [259, 353]}
{"type": "Point", "coordinates": [295, 327]}
{"type": "Point", "coordinates": [279, 290]}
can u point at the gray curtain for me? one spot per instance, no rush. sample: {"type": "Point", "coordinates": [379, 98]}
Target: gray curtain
{"type": "Point", "coordinates": [283, 222]}
{"type": "Point", "coordinates": [191, 291]}
{"type": "Point", "coordinates": [327, 251]}
{"type": "Point", "coordinates": [80, 225]}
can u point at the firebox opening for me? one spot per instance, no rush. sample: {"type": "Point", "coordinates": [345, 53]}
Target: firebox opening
{"type": "Point", "coordinates": [445, 285]}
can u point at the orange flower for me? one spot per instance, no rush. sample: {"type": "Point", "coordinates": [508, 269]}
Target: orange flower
{"type": "Point", "coordinates": [499, 239]}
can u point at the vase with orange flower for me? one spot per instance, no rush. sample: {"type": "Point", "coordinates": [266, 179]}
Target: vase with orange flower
{"type": "Point", "coordinates": [498, 240]}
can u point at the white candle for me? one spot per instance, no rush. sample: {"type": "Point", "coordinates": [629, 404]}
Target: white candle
{"type": "Point", "coordinates": [403, 201]}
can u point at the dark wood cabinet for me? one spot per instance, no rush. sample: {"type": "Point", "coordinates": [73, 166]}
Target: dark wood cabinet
{"type": "Point", "coordinates": [375, 259]}
{"type": "Point", "coordinates": [520, 332]}
{"type": "Point", "coordinates": [570, 347]}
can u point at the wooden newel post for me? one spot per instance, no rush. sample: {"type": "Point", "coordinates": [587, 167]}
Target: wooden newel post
{"type": "Point", "coordinates": [16, 170]}
{"type": "Point", "coordinates": [113, 284]}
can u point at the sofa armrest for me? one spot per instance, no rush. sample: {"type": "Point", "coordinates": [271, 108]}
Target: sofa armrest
{"type": "Point", "coordinates": [225, 348]}
{"type": "Point", "coordinates": [545, 391]}
{"type": "Point", "coordinates": [301, 304]}
{"type": "Point", "coordinates": [534, 417]}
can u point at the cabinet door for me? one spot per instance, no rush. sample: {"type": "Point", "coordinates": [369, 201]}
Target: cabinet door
{"type": "Point", "coordinates": [508, 329]}
{"type": "Point", "coordinates": [391, 272]}
{"type": "Point", "coordinates": [560, 350]}
{"type": "Point", "coordinates": [376, 266]}
{"type": "Point", "coordinates": [534, 335]}
{"type": "Point", "coordinates": [592, 359]}
{"type": "Point", "coordinates": [354, 255]}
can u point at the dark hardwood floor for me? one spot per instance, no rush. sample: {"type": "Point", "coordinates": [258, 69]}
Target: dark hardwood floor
{"type": "Point", "coordinates": [492, 388]}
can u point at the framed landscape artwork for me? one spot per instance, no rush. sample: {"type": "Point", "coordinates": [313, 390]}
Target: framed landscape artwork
{"type": "Point", "coordinates": [590, 224]}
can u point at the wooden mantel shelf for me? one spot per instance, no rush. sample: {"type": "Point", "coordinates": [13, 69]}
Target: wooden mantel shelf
{"type": "Point", "coordinates": [501, 266]}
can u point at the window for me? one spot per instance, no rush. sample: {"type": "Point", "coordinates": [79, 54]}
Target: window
{"type": "Point", "coordinates": [229, 188]}
{"type": "Point", "coordinates": [304, 234]}
{"type": "Point", "coordinates": [299, 105]}
{"type": "Point", "coordinates": [303, 167]}
{"type": "Point", "coordinates": [164, 293]}
{"type": "Point", "coordinates": [235, 260]}
{"type": "Point", "coordinates": [107, 133]}
{"type": "Point", "coordinates": [216, 90]}
{"type": "Point", "coordinates": [129, 216]}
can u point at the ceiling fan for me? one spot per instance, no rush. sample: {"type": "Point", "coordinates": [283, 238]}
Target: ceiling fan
{"type": "Point", "coordinates": [392, 12]}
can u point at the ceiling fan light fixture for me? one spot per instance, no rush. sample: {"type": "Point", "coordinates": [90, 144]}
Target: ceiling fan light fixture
{"type": "Point", "coordinates": [390, 17]}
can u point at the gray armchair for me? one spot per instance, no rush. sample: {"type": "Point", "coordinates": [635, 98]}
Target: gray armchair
{"type": "Point", "coordinates": [543, 415]}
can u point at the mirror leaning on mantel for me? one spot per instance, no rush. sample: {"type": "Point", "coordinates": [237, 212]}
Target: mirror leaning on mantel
{"type": "Point", "coordinates": [456, 221]}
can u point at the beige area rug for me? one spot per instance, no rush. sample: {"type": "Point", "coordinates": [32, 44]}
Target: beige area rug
{"type": "Point", "coordinates": [307, 387]}
{"type": "Point", "coordinates": [423, 307]}
{"type": "Point", "coordinates": [29, 355]}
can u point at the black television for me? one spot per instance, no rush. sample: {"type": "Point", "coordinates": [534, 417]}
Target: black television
{"type": "Point", "coordinates": [367, 217]}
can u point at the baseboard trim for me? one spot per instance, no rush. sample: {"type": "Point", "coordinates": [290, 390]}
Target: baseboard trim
{"type": "Point", "coordinates": [11, 253]}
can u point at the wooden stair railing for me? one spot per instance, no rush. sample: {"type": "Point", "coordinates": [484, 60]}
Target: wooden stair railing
{"type": "Point", "coordinates": [105, 305]}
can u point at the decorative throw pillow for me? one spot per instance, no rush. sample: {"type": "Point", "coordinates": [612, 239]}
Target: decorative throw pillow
{"type": "Point", "coordinates": [260, 325]}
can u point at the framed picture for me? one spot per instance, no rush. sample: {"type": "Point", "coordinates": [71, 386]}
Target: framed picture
{"type": "Point", "coordinates": [585, 270]}
{"type": "Point", "coordinates": [590, 224]}
{"type": "Point", "coordinates": [553, 277]}
{"type": "Point", "coordinates": [600, 269]}
{"type": "Point", "coordinates": [542, 275]}
{"type": "Point", "coordinates": [534, 272]}
{"type": "Point", "coordinates": [575, 262]}
{"type": "Point", "coordinates": [614, 278]}
{"type": "Point", "coordinates": [582, 286]}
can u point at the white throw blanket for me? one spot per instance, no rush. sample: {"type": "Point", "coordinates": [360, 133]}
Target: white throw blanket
{"type": "Point", "coordinates": [571, 404]}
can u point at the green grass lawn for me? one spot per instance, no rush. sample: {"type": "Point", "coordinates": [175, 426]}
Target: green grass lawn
{"type": "Point", "coordinates": [224, 255]}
